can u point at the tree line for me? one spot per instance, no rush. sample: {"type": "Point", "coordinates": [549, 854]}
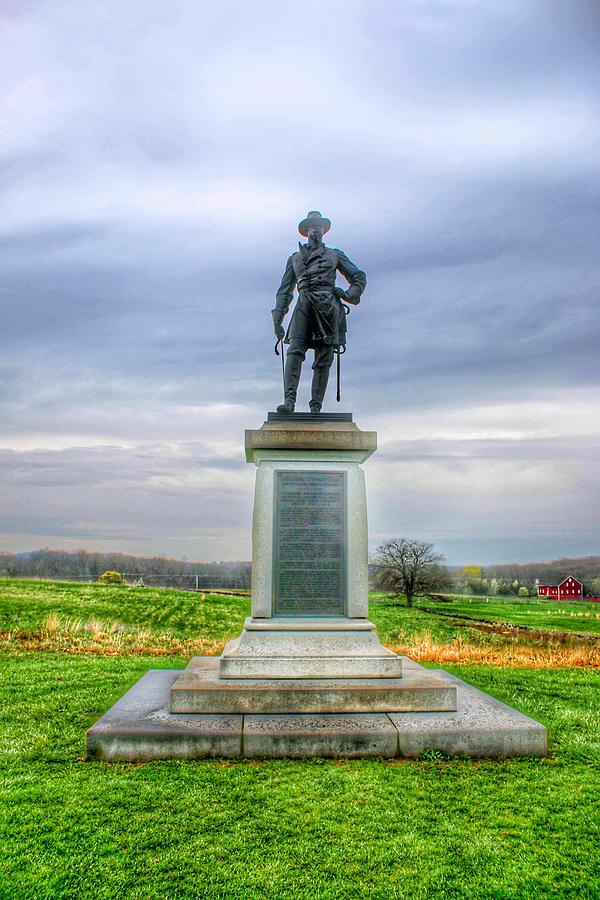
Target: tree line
{"type": "Point", "coordinates": [400, 565]}
{"type": "Point", "coordinates": [82, 565]}
{"type": "Point", "coordinates": [523, 579]}
{"type": "Point", "coordinates": [412, 567]}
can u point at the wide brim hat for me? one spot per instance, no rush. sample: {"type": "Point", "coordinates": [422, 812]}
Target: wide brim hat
{"type": "Point", "coordinates": [314, 217]}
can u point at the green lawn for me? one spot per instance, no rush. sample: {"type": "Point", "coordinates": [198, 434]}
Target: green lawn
{"type": "Point", "coordinates": [395, 623]}
{"type": "Point", "coordinates": [253, 829]}
{"type": "Point", "coordinates": [25, 604]}
{"type": "Point", "coordinates": [548, 615]}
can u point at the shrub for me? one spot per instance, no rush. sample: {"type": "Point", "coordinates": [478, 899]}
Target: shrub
{"type": "Point", "coordinates": [111, 578]}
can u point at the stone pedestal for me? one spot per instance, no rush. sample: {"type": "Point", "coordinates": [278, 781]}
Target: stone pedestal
{"type": "Point", "coordinates": [308, 675]}
{"type": "Point", "coordinates": [309, 556]}
{"type": "Point", "coordinates": [309, 579]}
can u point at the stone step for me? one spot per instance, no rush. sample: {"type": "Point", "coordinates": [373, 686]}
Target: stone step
{"type": "Point", "coordinates": [199, 689]}
{"type": "Point", "coordinates": [308, 623]}
{"type": "Point", "coordinates": [296, 648]}
{"type": "Point", "coordinates": [141, 727]}
{"type": "Point", "coordinates": [481, 727]}
{"type": "Point", "coordinates": [333, 735]}
{"type": "Point", "coordinates": [292, 668]}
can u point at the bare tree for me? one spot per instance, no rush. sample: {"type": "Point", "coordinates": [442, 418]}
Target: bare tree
{"type": "Point", "coordinates": [409, 567]}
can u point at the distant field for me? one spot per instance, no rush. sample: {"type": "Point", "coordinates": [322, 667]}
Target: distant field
{"type": "Point", "coordinates": [314, 829]}
{"type": "Point", "coordinates": [27, 604]}
{"type": "Point", "coordinates": [121, 620]}
{"type": "Point", "coordinates": [566, 616]}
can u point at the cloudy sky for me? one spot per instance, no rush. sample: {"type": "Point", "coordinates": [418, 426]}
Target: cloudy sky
{"type": "Point", "coordinates": [156, 157]}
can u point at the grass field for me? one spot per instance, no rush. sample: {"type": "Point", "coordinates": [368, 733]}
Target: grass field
{"type": "Point", "coordinates": [548, 615]}
{"type": "Point", "coordinates": [26, 604]}
{"type": "Point", "coordinates": [272, 829]}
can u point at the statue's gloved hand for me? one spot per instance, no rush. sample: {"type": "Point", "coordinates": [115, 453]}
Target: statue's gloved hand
{"type": "Point", "coordinates": [277, 319]}
{"type": "Point", "coordinates": [348, 296]}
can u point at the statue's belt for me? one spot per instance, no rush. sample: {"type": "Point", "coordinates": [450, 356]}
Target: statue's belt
{"type": "Point", "coordinates": [315, 288]}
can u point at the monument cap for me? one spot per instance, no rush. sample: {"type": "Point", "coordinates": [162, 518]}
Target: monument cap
{"type": "Point", "coordinates": [314, 217]}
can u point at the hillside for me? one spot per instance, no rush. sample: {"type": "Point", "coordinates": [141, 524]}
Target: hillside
{"type": "Point", "coordinates": [80, 565]}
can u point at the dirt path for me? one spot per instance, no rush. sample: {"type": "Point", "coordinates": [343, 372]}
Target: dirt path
{"type": "Point", "coordinates": [509, 629]}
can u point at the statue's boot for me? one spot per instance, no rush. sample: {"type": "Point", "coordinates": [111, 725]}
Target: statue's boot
{"type": "Point", "coordinates": [318, 388]}
{"type": "Point", "coordinates": [291, 378]}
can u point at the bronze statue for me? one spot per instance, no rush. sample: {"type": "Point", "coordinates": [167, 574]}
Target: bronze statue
{"type": "Point", "coordinates": [319, 319]}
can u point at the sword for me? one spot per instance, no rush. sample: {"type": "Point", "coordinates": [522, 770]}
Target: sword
{"type": "Point", "coordinates": [277, 343]}
{"type": "Point", "coordinates": [338, 353]}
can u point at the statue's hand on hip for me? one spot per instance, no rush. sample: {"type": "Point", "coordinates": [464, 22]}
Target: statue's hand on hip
{"type": "Point", "coordinates": [346, 296]}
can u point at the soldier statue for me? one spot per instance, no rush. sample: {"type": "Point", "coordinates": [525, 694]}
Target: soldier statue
{"type": "Point", "coordinates": [319, 319]}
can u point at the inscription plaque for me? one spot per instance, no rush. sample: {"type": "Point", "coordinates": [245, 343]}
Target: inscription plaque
{"type": "Point", "coordinates": [309, 558]}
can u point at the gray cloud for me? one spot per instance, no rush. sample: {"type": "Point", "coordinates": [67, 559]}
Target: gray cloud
{"type": "Point", "coordinates": [151, 201]}
{"type": "Point", "coordinates": [186, 499]}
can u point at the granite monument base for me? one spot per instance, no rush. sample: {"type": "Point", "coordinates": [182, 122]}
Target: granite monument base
{"type": "Point", "coordinates": [141, 727]}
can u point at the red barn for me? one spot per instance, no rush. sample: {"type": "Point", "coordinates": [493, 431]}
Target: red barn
{"type": "Point", "coordinates": [569, 589]}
